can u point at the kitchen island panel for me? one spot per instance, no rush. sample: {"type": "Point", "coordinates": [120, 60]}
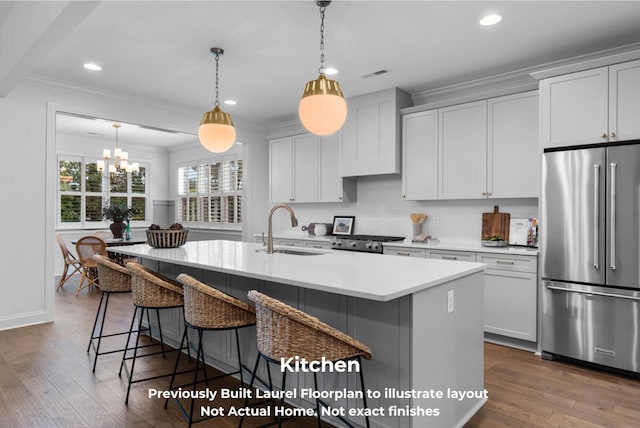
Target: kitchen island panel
{"type": "Point", "coordinates": [416, 343]}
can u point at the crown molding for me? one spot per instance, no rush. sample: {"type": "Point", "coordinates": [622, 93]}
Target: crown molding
{"type": "Point", "coordinates": [521, 80]}
{"type": "Point", "coordinates": [474, 90]}
{"type": "Point", "coordinates": [588, 61]}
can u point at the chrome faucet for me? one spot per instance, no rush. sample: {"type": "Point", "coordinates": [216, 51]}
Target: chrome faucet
{"type": "Point", "coordinates": [294, 223]}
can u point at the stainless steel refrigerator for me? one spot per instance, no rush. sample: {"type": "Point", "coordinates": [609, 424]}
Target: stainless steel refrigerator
{"type": "Point", "coordinates": [590, 255]}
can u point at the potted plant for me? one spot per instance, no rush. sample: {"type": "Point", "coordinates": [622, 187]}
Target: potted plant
{"type": "Point", "coordinates": [118, 214]}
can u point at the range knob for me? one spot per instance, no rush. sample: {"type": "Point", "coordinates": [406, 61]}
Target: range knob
{"type": "Point", "coordinates": [368, 245]}
{"type": "Point", "coordinates": [375, 246]}
{"type": "Point", "coordinates": [353, 244]}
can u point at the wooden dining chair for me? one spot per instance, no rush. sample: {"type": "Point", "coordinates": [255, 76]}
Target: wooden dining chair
{"type": "Point", "coordinates": [86, 248]}
{"type": "Point", "coordinates": [70, 261]}
{"type": "Point", "coordinates": [103, 234]}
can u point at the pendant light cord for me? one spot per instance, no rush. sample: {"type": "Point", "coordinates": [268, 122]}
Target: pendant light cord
{"type": "Point", "coordinates": [217, 103]}
{"type": "Point", "coordinates": [322, 9]}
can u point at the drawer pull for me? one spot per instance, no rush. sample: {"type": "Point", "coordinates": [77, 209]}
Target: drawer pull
{"type": "Point", "coordinates": [316, 246]}
{"type": "Point", "coordinates": [449, 258]}
{"type": "Point", "coordinates": [403, 254]}
{"type": "Point", "coordinates": [502, 262]}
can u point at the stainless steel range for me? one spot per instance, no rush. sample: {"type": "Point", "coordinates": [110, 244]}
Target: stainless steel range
{"type": "Point", "coordinates": [362, 243]}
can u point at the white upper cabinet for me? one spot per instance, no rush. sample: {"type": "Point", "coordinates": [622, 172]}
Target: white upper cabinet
{"type": "Point", "coordinates": [483, 149]}
{"type": "Point", "coordinates": [304, 168]}
{"type": "Point", "coordinates": [420, 155]}
{"type": "Point", "coordinates": [462, 149]}
{"type": "Point", "coordinates": [293, 169]}
{"type": "Point", "coordinates": [590, 107]}
{"type": "Point", "coordinates": [624, 101]}
{"type": "Point", "coordinates": [333, 188]}
{"type": "Point", "coordinates": [370, 142]}
{"type": "Point", "coordinates": [573, 108]}
{"type": "Point", "coordinates": [513, 155]}
{"type": "Point", "coordinates": [281, 170]}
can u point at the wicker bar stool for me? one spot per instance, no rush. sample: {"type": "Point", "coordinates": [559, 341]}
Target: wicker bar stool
{"type": "Point", "coordinates": [113, 279]}
{"type": "Point", "coordinates": [206, 308]}
{"type": "Point", "coordinates": [286, 332]}
{"type": "Point", "coordinates": [150, 291]}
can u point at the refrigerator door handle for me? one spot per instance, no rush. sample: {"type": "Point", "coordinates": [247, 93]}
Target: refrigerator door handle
{"type": "Point", "coordinates": [596, 216]}
{"type": "Point", "coordinates": [595, 293]}
{"type": "Point", "coordinates": [613, 215]}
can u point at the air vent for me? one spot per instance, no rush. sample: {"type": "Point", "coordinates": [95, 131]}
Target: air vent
{"type": "Point", "coordinates": [376, 73]}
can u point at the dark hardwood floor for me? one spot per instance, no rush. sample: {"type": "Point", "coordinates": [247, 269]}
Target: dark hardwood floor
{"type": "Point", "coordinates": [46, 381]}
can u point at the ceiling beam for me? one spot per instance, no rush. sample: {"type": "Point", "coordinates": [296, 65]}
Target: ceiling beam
{"type": "Point", "coordinates": [31, 31]}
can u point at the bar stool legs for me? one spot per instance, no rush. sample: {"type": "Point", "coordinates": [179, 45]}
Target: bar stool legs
{"type": "Point", "coordinates": [201, 365]}
{"type": "Point", "coordinates": [102, 310]}
{"type": "Point", "coordinates": [140, 329]}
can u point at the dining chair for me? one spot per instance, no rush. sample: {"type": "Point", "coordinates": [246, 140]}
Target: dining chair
{"type": "Point", "coordinates": [86, 248]}
{"type": "Point", "coordinates": [70, 260]}
{"type": "Point", "coordinates": [103, 234]}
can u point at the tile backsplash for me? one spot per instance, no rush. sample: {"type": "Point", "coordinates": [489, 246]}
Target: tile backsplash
{"type": "Point", "coordinates": [381, 210]}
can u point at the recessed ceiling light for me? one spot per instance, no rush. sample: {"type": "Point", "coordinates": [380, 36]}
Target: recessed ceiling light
{"type": "Point", "coordinates": [490, 20]}
{"type": "Point", "coordinates": [230, 102]}
{"type": "Point", "coordinates": [330, 71]}
{"type": "Point", "coordinates": [92, 66]}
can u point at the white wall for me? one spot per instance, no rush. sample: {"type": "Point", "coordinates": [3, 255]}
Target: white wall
{"type": "Point", "coordinates": [381, 210]}
{"type": "Point", "coordinates": [27, 126]}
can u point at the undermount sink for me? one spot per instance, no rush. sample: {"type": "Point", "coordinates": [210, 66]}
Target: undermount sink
{"type": "Point", "coordinates": [292, 252]}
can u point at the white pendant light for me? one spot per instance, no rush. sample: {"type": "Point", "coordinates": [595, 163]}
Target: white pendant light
{"type": "Point", "coordinates": [322, 109]}
{"type": "Point", "coordinates": [216, 132]}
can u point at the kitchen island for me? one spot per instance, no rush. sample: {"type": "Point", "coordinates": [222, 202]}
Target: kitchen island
{"type": "Point", "coordinates": [422, 319]}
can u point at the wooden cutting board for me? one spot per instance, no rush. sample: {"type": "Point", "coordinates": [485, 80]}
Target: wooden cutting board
{"type": "Point", "coordinates": [495, 224]}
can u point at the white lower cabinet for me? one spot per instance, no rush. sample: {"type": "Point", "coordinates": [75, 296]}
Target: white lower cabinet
{"type": "Point", "coordinates": [510, 295]}
{"type": "Point", "coordinates": [403, 251]}
{"type": "Point", "coordinates": [510, 288]}
{"type": "Point", "coordinates": [288, 242]}
{"type": "Point", "coordinates": [321, 245]}
{"type": "Point", "coordinates": [463, 256]}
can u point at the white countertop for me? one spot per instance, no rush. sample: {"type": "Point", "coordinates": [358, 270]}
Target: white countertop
{"type": "Point", "coordinates": [363, 275]}
{"type": "Point", "coordinates": [444, 244]}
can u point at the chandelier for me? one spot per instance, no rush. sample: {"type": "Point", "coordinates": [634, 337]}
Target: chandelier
{"type": "Point", "coordinates": [120, 159]}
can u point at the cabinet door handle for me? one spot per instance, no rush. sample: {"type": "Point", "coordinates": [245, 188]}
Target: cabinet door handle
{"type": "Point", "coordinates": [604, 135]}
{"type": "Point", "coordinates": [484, 193]}
{"type": "Point", "coordinates": [613, 135]}
{"type": "Point", "coordinates": [449, 258]}
{"type": "Point", "coordinates": [504, 262]}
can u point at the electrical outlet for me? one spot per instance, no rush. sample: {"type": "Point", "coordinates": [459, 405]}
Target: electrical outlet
{"type": "Point", "coordinates": [450, 301]}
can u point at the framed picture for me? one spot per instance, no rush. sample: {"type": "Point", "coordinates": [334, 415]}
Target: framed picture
{"type": "Point", "coordinates": [343, 224]}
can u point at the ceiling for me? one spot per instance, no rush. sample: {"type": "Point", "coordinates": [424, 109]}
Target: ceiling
{"type": "Point", "coordinates": [160, 50]}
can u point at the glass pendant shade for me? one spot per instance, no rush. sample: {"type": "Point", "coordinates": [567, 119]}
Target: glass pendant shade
{"type": "Point", "coordinates": [216, 132]}
{"type": "Point", "coordinates": [322, 109]}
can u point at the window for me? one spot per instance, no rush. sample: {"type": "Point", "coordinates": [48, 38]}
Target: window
{"type": "Point", "coordinates": [210, 192]}
{"type": "Point", "coordinates": [83, 191]}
